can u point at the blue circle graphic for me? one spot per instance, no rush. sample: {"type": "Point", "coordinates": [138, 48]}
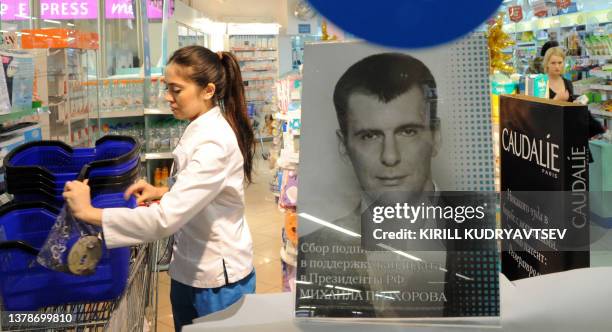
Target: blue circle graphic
{"type": "Point", "coordinates": [407, 23]}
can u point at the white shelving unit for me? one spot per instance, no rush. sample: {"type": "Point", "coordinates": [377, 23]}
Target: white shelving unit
{"type": "Point", "coordinates": [599, 112]}
{"type": "Point", "coordinates": [604, 88]}
{"type": "Point", "coordinates": [71, 95]}
{"type": "Point", "coordinates": [158, 155]}
{"type": "Point", "coordinates": [157, 111]}
{"type": "Point", "coordinates": [258, 58]}
{"type": "Point", "coordinates": [121, 114]}
{"type": "Point", "coordinates": [601, 74]}
{"type": "Point", "coordinates": [600, 87]}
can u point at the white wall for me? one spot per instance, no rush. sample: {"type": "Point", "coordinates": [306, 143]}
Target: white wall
{"type": "Point", "coordinates": [284, 54]}
{"type": "Point", "coordinates": [215, 30]}
{"type": "Point", "coordinates": [183, 14]}
{"type": "Point", "coordinates": [241, 11]}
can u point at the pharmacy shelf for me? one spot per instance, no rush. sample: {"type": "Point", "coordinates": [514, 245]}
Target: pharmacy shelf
{"type": "Point", "coordinates": [18, 115]}
{"type": "Point", "coordinates": [526, 44]}
{"type": "Point", "coordinates": [600, 87]}
{"type": "Point", "coordinates": [256, 70]}
{"type": "Point", "coordinates": [289, 116]}
{"type": "Point", "coordinates": [78, 117]}
{"type": "Point", "coordinates": [121, 114]}
{"type": "Point", "coordinates": [598, 112]}
{"type": "Point", "coordinates": [264, 138]}
{"type": "Point", "coordinates": [251, 49]}
{"type": "Point", "coordinates": [154, 111]}
{"type": "Point", "coordinates": [601, 74]}
{"type": "Point", "coordinates": [255, 59]}
{"type": "Point", "coordinates": [258, 79]}
{"type": "Point", "coordinates": [158, 155]}
{"type": "Point", "coordinates": [600, 57]}
{"type": "Point", "coordinates": [250, 88]}
{"type": "Point", "coordinates": [560, 21]}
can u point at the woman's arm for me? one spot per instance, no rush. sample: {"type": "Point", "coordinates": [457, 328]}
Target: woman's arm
{"type": "Point", "coordinates": [195, 187]}
{"type": "Point", "coordinates": [77, 195]}
{"type": "Point", "coordinates": [144, 192]}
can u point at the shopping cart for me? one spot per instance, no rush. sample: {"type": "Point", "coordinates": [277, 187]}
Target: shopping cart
{"type": "Point", "coordinates": [135, 310]}
{"type": "Point", "coordinates": [131, 306]}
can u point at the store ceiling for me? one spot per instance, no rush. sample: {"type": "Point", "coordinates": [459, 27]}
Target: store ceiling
{"type": "Point", "coordinates": [239, 11]}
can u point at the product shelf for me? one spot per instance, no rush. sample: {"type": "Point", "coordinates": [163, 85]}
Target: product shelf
{"type": "Point", "coordinates": [255, 59]}
{"type": "Point", "coordinates": [158, 155]}
{"type": "Point", "coordinates": [265, 138]}
{"type": "Point", "coordinates": [234, 49]}
{"type": "Point", "coordinates": [258, 79]}
{"type": "Point", "coordinates": [157, 111]}
{"type": "Point", "coordinates": [250, 88]}
{"type": "Point", "coordinates": [600, 57]}
{"type": "Point", "coordinates": [256, 70]}
{"type": "Point", "coordinates": [121, 114]}
{"type": "Point", "coordinates": [600, 87]}
{"type": "Point", "coordinates": [601, 74]}
{"type": "Point", "coordinates": [78, 117]}
{"type": "Point", "coordinates": [17, 115]}
{"type": "Point", "coordinates": [596, 110]}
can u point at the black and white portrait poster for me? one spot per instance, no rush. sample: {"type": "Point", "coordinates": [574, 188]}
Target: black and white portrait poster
{"type": "Point", "coordinates": [387, 137]}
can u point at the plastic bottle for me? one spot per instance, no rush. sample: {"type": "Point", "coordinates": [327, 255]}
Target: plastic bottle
{"type": "Point", "coordinates": [164, 176]}
{"type": "Point", "coordinates": [157, 177]}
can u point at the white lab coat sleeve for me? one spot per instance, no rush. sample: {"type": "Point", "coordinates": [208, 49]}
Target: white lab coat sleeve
{"type": "Point", "coordinates": [196, 186]}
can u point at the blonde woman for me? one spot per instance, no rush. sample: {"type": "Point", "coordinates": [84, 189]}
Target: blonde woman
{"type": "Point", "coordinates": [562, 89]}
{"type": "Point", "coordinates": [559, 87]}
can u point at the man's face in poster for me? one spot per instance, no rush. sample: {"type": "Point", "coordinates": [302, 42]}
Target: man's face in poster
{"type": "Point", "coordinates": [390, 145]}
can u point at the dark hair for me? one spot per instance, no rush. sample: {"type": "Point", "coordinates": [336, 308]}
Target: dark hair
{"type": "Point", "coordinates": [386, 76]}
{"type": "Point", "coordinates": [547, 45]}
{"type": "Point", "coordinates": [222, 70]}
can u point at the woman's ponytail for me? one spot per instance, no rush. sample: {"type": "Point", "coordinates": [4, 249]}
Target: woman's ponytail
{"type": "Point", "coordinates": [222, 69]}
{"type": "Point", "coordinates": [235, 111]}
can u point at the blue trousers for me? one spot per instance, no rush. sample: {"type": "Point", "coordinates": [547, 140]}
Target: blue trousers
{"type": "Point", "coordinates": [189, 303]}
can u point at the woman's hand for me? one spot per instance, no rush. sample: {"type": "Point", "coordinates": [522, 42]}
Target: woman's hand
{"type": "Point", "coordinates": [144, 192]}
{"type": "Point", "coordinates": [562, 96]}
{"type": "Point", "coordinates": [77, 196]}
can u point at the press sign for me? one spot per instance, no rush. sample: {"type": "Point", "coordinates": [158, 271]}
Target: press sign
{"type": "Point", "coordinates": [73, 9]}
{"type": "Point", "coordinates": [12, 10]}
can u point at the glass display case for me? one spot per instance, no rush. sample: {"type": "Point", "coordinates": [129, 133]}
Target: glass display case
{"type": "Point", "coordinates": [92, 63]}
{"type": "Point", "coordinates": [188, 35]}
{"type": "Point", "coordinates": [65, 48]}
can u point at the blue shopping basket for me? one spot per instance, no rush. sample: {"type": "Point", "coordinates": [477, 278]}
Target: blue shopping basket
{"type": "Point", "coordinates": [25, 285]}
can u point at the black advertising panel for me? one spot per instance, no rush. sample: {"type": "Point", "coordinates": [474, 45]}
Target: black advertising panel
{"type": "Point", "coordinates": [544, 184]}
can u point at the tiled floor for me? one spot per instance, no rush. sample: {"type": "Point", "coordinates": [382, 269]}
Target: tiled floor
{"type": "Point", "coordinates": [265, 221]}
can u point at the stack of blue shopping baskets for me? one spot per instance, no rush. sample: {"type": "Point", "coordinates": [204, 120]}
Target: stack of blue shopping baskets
{"type": "Point", "coordinates": [36, 173]}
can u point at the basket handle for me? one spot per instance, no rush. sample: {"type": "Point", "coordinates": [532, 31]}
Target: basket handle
{"type": "Point", "coordinates": [19, 245]}
{"type": "Point", "coordinates": [84, 173]}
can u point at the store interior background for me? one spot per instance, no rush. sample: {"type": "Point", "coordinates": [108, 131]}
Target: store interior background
{"type": "Point", "coordinates": [275, 30]}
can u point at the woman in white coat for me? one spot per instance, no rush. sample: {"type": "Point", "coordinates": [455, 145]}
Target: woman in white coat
{"type": "Point", "coordinates": [212, 264]}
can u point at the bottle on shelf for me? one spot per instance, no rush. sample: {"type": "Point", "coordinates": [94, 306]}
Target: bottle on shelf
{"type": "Point", "coordinates": [157, 177]}
{"type": "Point", "coordinates": [164, 176]}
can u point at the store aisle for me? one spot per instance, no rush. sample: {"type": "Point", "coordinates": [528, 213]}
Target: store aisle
{"type": "Point", "coordinates": [265, 221]}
